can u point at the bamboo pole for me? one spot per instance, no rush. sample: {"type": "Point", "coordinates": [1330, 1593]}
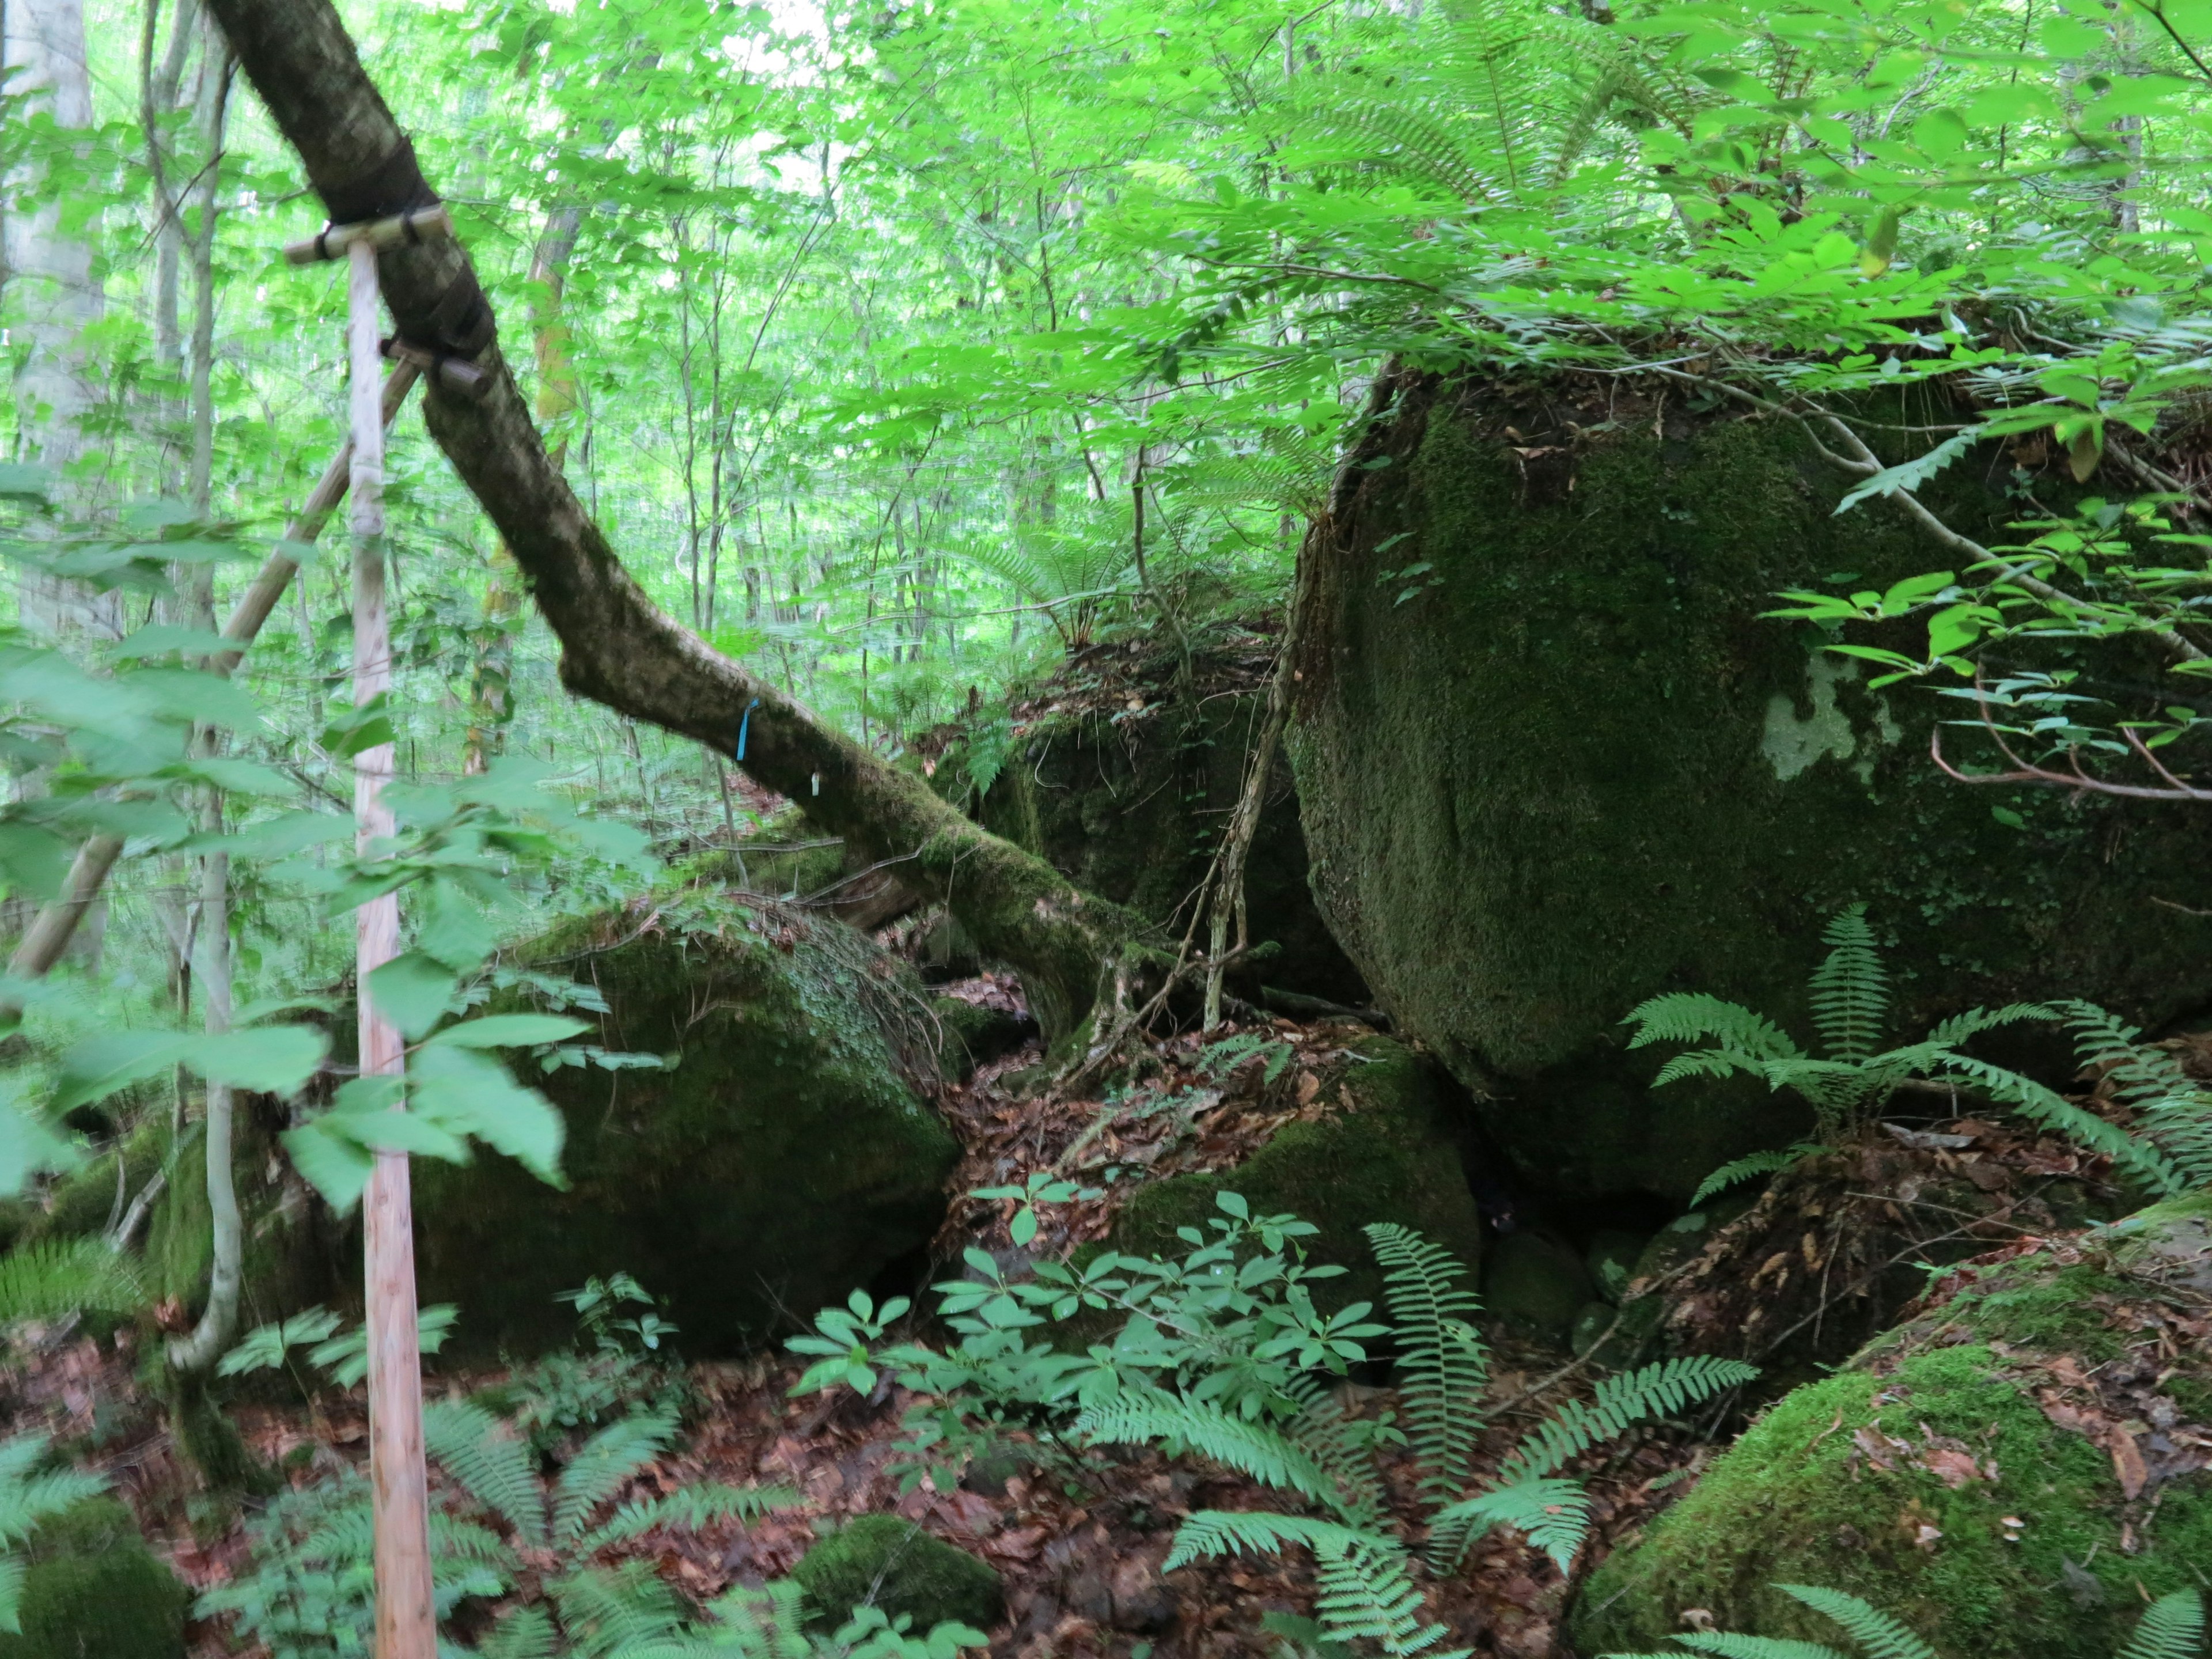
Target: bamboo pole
{"type": "Point", "coordinates": [50, 933]}
{"type": "Point", "coordinates": [406, 1627]}
{"type": "Point", "coordinates": [338, 241]}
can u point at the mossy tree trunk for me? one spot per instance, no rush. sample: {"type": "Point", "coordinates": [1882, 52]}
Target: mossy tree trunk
{"type": "Point", "coordinates": [617, 647]}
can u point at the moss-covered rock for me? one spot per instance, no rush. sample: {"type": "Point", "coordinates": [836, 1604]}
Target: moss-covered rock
{"type": "Point", "coordinates": [784, 1156]}
{"type": "Point", "coordinates": [82, 1203]}
{"type": "Point", "coordinates": [1538, 1284]}
{"type": "Point", "coordinates": [884, 1561]}
{"type": "Point", "coordinates": [1391, 1154]}
{"type": "Point", "coordinates": [2010, 1473]}
{"type": "Point", "coordinates": [1576, 768]}
{"type": "Point", "coordinates": [94, 1590]}
{"type": "Point", "coordinates": [1129, 802]}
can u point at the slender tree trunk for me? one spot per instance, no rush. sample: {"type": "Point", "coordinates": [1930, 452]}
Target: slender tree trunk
{"type": "Point", "coordinates": [617, 647]}
{"type": "Point", "coordinates": [399, 1497]}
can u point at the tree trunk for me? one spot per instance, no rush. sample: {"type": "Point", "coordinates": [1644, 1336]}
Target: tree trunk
{"type": "Point", "coordinates": [617, 647]}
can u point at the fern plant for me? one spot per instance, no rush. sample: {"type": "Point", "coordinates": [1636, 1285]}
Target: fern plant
{"type": "Point", "coordinates": [1223, 1357]}
{"type": "Point", "coordinates": [1854, 1077]}
{"type": "Point", "coordinates": [1367, 1586]}
{"type": "Point", "coordinates": [56, 1278]}
{"type": "Point", "coordinates": [2172, 1627]}
{"type": "Point", "coordinates": [309, 1595]}
{"type": "Point", "coordinates": [29, 1494]}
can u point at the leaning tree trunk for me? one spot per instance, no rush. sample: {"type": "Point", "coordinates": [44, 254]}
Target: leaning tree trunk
{"type": "Point", "coordinates": [617, 647]}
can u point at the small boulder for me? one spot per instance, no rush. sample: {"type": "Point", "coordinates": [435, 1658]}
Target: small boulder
{"type": "Point", "coordinates": [2015, 1471]}
{"type": "Point", "coordinates": [94, 1590]}
{"type": "Point", "coordinates": [783, 1154]}
{"type": "Point", "coordinates": [882, 1561]}
{"type": "Point", "coordinates": [1391, 1154]}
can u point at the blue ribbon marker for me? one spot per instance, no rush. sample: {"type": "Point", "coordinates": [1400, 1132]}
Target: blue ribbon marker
{"type": "Point", "coordinates": [743, 723]}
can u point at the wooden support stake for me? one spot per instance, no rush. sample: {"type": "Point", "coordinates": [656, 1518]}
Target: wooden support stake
{"type": "Point", "coordinates": [406, 1623]}
{"type": "Point", "coordinates": [338, 241]}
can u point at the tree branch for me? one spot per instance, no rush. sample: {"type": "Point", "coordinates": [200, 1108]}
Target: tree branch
{"type": "Point", "coordinates": [618, 647]}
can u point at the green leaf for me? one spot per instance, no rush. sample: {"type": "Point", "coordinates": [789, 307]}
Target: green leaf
{"type": "Point", "coordinates": [269, 1059]}
{"type": "Point", "coordinates": [335, 1166]}
{"type": "Point", "coordinates": [470, 1093]}
{"type": "Point", "coordinates": [34, 862]}
{"type": "Point", "coordinates": [454, 929]}
{"type": "Point", "coordinates": [509, 1031]}
{"type": "Point", "coordinates": [413, 992]}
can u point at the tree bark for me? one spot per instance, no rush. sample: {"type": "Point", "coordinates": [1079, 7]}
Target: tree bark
{"type": "Point", "coordinates": [617, 647]}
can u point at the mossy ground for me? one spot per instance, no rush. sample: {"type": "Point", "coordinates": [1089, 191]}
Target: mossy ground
{"type": "Point", "coordinates": [897, 1566]}
{"type": "Point", "coordinates": [784, 1158]}
{"type": "Point", "coordinates": [94, 1590]}
{"type": "Point", "coordinates": [1393, 1155]}
{"type": "Point", "coordinates": [1577, 768]}
{"type": "Point", "coordinates": [1841, 1483]}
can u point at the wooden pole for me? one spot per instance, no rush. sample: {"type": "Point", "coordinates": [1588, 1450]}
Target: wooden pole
{"type": "Point", "coordinates": [406, 1625]}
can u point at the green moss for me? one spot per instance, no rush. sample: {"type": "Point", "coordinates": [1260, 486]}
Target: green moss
{"type": "Point", "coordinates": [1577, 768]}
{"type": "Point", "coordinates": [1393, 1156]}
{"type": "Point", "coordinates": [973, 1034]}
{"type": "Point", "coordinates": [94, 1591]}
{"type": "Point", "coordinates": [82, 1203]}
{"type": "Point", "coordinates": [784, 1159]}
{"type": "Point", "coordinates": [898, 1567]}
{"type": "Point", "coordinates": [1538, 1284]}
{"type": "Point", "coordinates": [1799, 1499]}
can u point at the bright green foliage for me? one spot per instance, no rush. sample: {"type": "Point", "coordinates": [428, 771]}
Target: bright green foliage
{"type": "Point", "coordinates": [2172, 1627]}
{"type": "Point", "coordinates": [772, 1623]}
{"type": "Point", "coordinates": [50, 1279]}
{"type": "Point", "coordinates": [882, 1561]}
{"type": "Point", "coordinates": [1851, 1082]}
{"type": "Point", "coordinates": [1441, 1356]}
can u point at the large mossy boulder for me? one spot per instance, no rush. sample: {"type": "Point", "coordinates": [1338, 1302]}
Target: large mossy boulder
{"type": "Point", "coordinates": [1390, 1150]}
{"type": "Point", "coordinates": [93, 1590]}
{"type": "Point", "coordinates": [882, 1561]}
{"type": "Point", "coordinates": [783, 1154]}
{"type": "Point", "coordinates": [2011, 1472]}
{"type": "Point", "coordinates": [1123, 774]}
{"type": "Point", "coordinates": [1553, 760]}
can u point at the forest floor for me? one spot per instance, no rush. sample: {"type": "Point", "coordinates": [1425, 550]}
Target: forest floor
{"type": "Point", "coordinates": [1079, 1547]}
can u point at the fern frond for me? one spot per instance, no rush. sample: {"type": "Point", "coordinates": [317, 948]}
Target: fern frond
{"type": "Point", "coordinates": [1365, 1595]}
{"type": "Point", "coordinates": [1709, 1062]}
{"type": "Point", "coordinates": [1649, 1391]}
{"type": "Point", "coordinates": [1728, 1645]}
{"type": "Point", "coordinates": [1750, 1166]}
{"type": "Point", "coordinates": [1322, 1427]}
{"type": "Point", "coordinates": [605, 1610]}
{"type": "Point", "coordinates": [525, 1633]}
{"type": "Point", "coordinates": [56, 1278]}
{"type": "Point", "coordinates": [1250, 1448]}
{"type": "Point", "coordinates": [601, 1465]}
{"type": "Point", "coordinates": [11, 1595]}
{"type": "Point", "coordinates": [1207, 1533]}
{"type": "Point", "coordinates": [2172, 1627]}
{"type": "Point", "coordinates": [767, 1623]}
{"type": "Point", "coordinates": [1948, 1033]}
{"type": "Point", "coordinates": [1694, 1017]}
{"type": "Point", "coordinates": [1878, 1635]}
{"type": "Point", "coordinates": [1849, 991]}
{"type": "Point", "coordinates": [2041, 1105]}
{"type": "Point", "coordinates": [687, 1509]}
{"type": "Point", "coordinates": [2174, 1110]}
{"type": "Point", "coordinates": [1441, 1355]}
{"type": "Point", "coordinates": [28, 1496]}
{"type": "Point", "coordinates": [1552, 1512]}
{"type": "Point", "coordinates": [493, 1466]}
